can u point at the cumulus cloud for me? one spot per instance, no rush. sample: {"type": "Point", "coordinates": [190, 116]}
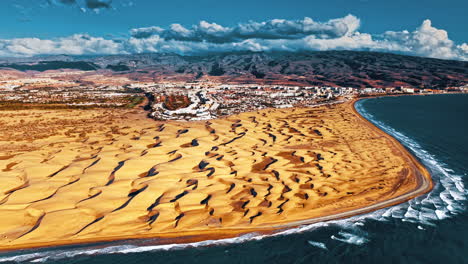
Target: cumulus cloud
{"type": "Point", "coordinates": [272, 35]}
{"type": "Point", "coordinates": [297, 35]}
{"type": "Point", "coordinates": [78, 44]}
{"type": "Point", "coordinates": [426, 41]}
{"type": "Point", "coordinates": [463, 48]}
{"type": "Point", "coordinates": [272, 29]}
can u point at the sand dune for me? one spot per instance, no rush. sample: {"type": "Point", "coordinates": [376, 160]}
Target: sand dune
{"type": "Point", "coordinates": [71, 176]}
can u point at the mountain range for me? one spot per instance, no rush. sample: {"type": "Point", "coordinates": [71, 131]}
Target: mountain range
{"type": "Point", "coordinates": [330, 68]}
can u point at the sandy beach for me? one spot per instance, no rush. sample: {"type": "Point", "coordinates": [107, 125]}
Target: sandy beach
{"type": "Point", "coordinates": [79, 176]}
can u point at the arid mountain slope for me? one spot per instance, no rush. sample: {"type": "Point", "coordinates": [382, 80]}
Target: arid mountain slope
{"type": "Point", "coordinates": [334, 68]}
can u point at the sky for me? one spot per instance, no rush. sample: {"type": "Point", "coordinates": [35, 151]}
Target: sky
{"type": "Point", "coordinates": [90, 27]}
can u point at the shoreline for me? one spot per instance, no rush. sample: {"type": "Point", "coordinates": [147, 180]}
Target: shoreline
{"type": "Point", "coordinates": [424, 185]}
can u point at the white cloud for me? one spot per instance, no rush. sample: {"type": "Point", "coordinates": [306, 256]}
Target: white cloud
{"type": "Point", "coordinates": [273, 35]}
{"type": "Point", "coordinates": [146, 32]}
{"type": "Point", "coordinates": [463, 48]}
{"type": "Point", "coordinates": [78, 44]}
{"type": "Point", "coordinates": [272, 29]}
{"type": "Point", "coordinates": [426, 41]}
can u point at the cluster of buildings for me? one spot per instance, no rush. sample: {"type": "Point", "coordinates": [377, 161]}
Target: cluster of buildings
{"type": "Point", "coordinates": [50, 91]}
{"type": "Point", "coordinates": [212, 100]}
{"type": "Point", "coordinates": [202, 107]}
{"type": "Point", "coordinates": [201, 100]}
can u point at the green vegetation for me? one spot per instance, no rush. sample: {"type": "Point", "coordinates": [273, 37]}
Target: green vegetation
{"type": "Point", "coordinates": [127, 102]}
{"type": "Point", "coordinates": [134, 101]}
{"type": "Point", "coordinates": [9, 106]}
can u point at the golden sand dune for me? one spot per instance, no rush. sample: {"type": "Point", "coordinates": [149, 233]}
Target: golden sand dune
{"type": "Point", "coordinates": [71, 176]}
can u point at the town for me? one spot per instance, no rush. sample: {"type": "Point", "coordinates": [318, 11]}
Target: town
{"type": "Point", "coordinates": [180, 100]}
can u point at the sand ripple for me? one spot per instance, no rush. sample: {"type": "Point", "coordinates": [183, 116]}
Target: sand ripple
{"type": "Point", "coordinates": [70, 176]}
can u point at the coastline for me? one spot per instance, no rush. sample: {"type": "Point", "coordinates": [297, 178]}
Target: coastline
{"type": "Point", "coordinates": [424, 185]}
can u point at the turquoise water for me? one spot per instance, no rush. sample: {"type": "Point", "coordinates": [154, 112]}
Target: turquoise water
{"type": "Point", "coordinates": [430, 229]}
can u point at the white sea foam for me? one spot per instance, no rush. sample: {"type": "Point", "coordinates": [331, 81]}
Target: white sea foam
{"type": "Point", "coordinates": [318, 244]}
{"type": "Point", "coordinates": [59, 254]}
{"type": "Point", "coordinates": [51, 255]}
{"type": "Point", "coordinates": [445, 200]}
{"type": "Point", "coordinates": [350, 238]}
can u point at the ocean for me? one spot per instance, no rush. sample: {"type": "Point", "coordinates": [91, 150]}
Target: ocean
{"type": "Point", "coordinates": [432, 228]}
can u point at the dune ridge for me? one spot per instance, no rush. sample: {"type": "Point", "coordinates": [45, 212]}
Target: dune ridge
{"type": "Point", "coordinates": [75, 176]}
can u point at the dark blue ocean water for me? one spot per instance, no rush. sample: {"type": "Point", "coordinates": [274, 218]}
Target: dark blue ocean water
{"type": "Point", "coordinates": [430, 229]}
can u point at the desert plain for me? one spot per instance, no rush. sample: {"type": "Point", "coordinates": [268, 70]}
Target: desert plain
{"type": "Point", "coordinates": [72, 176]}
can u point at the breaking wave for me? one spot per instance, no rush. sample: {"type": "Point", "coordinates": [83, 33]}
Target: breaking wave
{"type": "Point", "coordinates": [350, 238]}
{"type": "Point", "coordinates": [445, 200]}
{"type": "Point", "coordinates": [318, 244]}
{"type": "Point", "coordinates": [448, 195]}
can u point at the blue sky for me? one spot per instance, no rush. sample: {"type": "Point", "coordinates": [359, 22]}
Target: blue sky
{"type": "Point", "coordinates": [377, 15]}
{"type": "Point", "coordinates": [48, 19]}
